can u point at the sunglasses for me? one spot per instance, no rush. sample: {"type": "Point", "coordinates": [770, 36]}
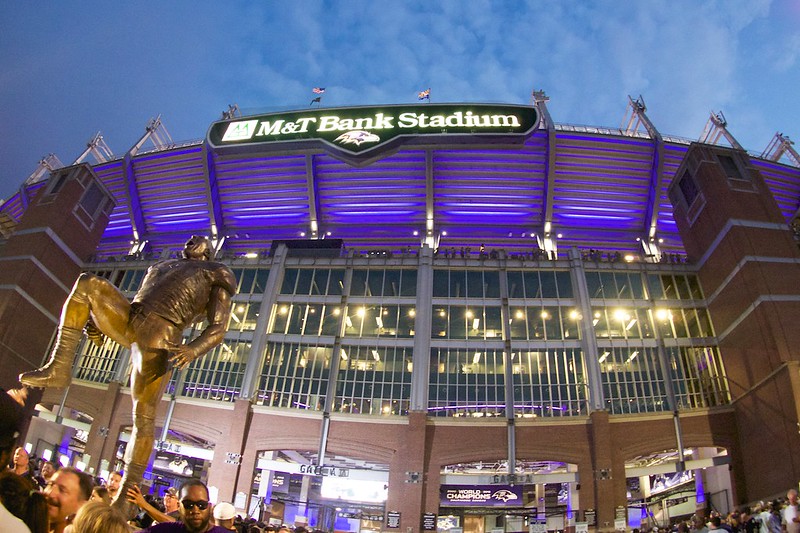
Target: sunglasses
{"type": "Point", "coordinates": [189, 505]}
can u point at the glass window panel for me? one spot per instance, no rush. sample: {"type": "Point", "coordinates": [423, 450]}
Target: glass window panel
{"type": "Point", "coordinates": [601, 328]}
{"type": "Point", "coordinates": [262, 274]}
{"type": "Point", "coordinates": [694, 287]}
{"type": "Point", "coordinates": [475, 284]}
{"type": "Point", "coordinates": [637, 287]}
{"type": "Point", "coordinates": [609, 285]}
{"type": "Point", "coordinates": [632, 380]}
{"type": "Point", "coordinates": [304, 278]}
{"type": "Point", "coordinates": [552, 323]}
{"type": "Point", "coordinates": [246, 281]}
{"type": "Point", "coordinates": [515, 284]}
{"type": "Point", "coordinates": [358, 284]}
{"type": "Point", "coordinates": [670, 292]}
{"type": "Point", "coordinates": [281, 318]}
{"type": "Point", "coordinates": [458, 284]}
{"type": "Point", "coordinates": [391, 283]}
{"type": "Point", "coordinates": [683, 287]}
{"type": "Point", "coordinates": [375, 283]}
{"type": "Point", "coordinates": [406, 321]}
{"type": "Point", "coordinates": [320, 283]}
{"type": "Point", "coordinates": [594, 284]}
{"type": "Point", "coordinates": [692, 323]}
{"type": "Point", "coordinates": [519, 323]}
{"type": "Point", "coordinates": [623, 285]}
{"type": "Point", "coordinates": [466, 382]}
{"type": "Point", "coordinates": [564, 283]}
{"type": "Point", "coordinates": [313, 319]}
{"type": "Point", "coordinates": [536, 323]}
{"type": "Point", "coordinates": [441, 283]}
{"type": "Point", "coordinates": [494, 323]}
{"type": "Point", "coordinates": [704, 323]}
{"type": "Point", "coordinates": [336, 282]}
{"type": "Point", "coordinates": [645, 323]}
{"type": "Point", "coordinates": [550, 383]}
{"type": "Point", "coordinates": [330, 321]}
{"type": "Point", "coordinates": [679, 324]}
{"type": "Point", "coordinates": [289, 281]}
{"type": "Point", "coordinates": [294, 376]}
{"type": "Point", "coordinates": [408, 283]}
{"type": "Point", "coordinates": [374, 381]}
{"type": "Point", "coordinates": [457, 322]}
{"type": "Point", "coordinates": [439, 322]}
{"type": "Point", "coordinates": [654, 283]}
{"type": "Point", "coordinates": [549, 287]}
{"type": "Point", "coordinates": [532, 285]}
{"type": "Point", "coordinates": [491, 281]}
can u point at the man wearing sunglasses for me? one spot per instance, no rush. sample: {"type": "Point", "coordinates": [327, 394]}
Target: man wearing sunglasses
{"type": "Point", "coordinates": [195, 512]}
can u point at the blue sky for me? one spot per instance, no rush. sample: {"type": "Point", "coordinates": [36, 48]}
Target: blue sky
{"type": "Point", "coordinates": [69, 69]}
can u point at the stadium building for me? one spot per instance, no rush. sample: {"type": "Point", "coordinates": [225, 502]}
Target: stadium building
{"type": "Point", "coordinates": [449, 317]}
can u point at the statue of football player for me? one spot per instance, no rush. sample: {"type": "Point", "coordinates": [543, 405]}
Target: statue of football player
{"type": "Point", "coordinates": [174, 294]}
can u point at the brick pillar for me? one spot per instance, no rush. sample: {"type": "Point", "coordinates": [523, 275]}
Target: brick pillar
{"type": "Point", "coordinates": [102, 440]}
{"type": "Point", "coordinates": [608, 478]}
{"type": "Point", "coordinates": [232, 475]}
{"type": "Point", "coordinates": [749, 266]}
{"type": "Point", "coordinates": [407, 479]}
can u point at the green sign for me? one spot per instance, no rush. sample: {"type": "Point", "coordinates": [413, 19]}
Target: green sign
{"type": "Point", "coordinates": [360, 130]}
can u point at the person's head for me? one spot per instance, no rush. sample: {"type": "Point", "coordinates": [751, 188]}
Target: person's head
{"type": "Point", "coordinates": [194, 506]}
{"type": "Point", "coordinates": [97, 517]}
{"type": "Point", "coordinates": [224, 515]}
{"type": "Point", "coordinates": [715, 521]}
{"type": "Point", "coordinates": [66, 492]}
{"type": "Point", "coordinates": [48, 469]}
{"type": "Point", "coordinates": [11, 421]}
{"type": "Point", "coordinates": [171, 502]}
{"type": "Point", "coordinates": [114, 480]}
{"type": "Point", "coordinates": [19, 499]}
{"type": "Point", "coordinates": [21, 458]}
{"type": "Point", "coordinates": [100, 494]}
{"type": "Point", "coordinates": [792, 497]}
{"type": "Point", "coordinates": [197, 247]}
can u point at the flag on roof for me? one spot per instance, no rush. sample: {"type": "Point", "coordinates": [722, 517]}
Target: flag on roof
{"type": "Point", "coordinates": [424, 95]}
{"type": "Point", "coordinates": [318, 100]}
{"type": "Point", "coordinates": [318, 90]}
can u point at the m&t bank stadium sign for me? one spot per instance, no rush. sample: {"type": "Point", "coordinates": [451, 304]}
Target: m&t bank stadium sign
{"type": "Point", "coordinates": [361, 130]}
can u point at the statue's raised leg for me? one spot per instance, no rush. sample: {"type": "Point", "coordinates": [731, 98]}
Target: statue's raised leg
{"type": "Point", "coordinates": [91, 297]}
{"type": "Point", "coordinates": [58, 370]}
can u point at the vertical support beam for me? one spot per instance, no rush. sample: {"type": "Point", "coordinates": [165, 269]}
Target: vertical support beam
{"type": "Point", "coordinates": [313, 206]}
{"type": "Point", "coordinates": [333, 375]}
{"type": "Point", "coordinates": [212, 193]}
{"type": "Point", "coordinates": [638, 110]}
{"type": "Point", "coordinates": [255, 359]}
{"type": "Point", "coordinates": [421, 359]}
{"type": "Point", "coordinates": [541, 99]}
{"type": "Point", "coordinates": [588, 340]}
{"type": "Point", "coordinates": [430, 214]}
{"type": "Point", "coordinates": [508, 374]}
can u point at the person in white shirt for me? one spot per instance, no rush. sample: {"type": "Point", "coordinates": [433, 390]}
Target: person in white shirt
{"type": "Point", "coordinates": [791, 518]}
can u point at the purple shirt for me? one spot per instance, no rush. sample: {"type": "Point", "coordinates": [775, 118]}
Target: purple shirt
{"type": "Point", "coordinates": [177, 527]}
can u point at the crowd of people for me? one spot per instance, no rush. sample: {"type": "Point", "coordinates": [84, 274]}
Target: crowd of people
{"type": "Point", "coordinates": [777, 516]}
{"type": "Point", "coordinates": [48, 499]}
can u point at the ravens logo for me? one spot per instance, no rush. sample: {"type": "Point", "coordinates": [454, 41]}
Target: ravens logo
{"type": "Point", "coordinates": [357, 137]}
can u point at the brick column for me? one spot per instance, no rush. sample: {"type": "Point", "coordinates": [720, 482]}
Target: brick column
{"type": "Point", "coordinates": [407, 479]}
{"type": "Point", "coordinates": [225, 475]}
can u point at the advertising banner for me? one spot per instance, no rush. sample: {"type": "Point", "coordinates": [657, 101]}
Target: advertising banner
{"type": "Point", "coordinates": [481, 496]}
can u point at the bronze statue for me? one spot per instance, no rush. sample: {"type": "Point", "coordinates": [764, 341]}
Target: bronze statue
{"type": "Point", "coordinates": [174, 294]}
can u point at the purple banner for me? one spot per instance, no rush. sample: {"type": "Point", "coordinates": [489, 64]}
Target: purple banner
{"type": "Point", "coordinates": [481, 496]}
